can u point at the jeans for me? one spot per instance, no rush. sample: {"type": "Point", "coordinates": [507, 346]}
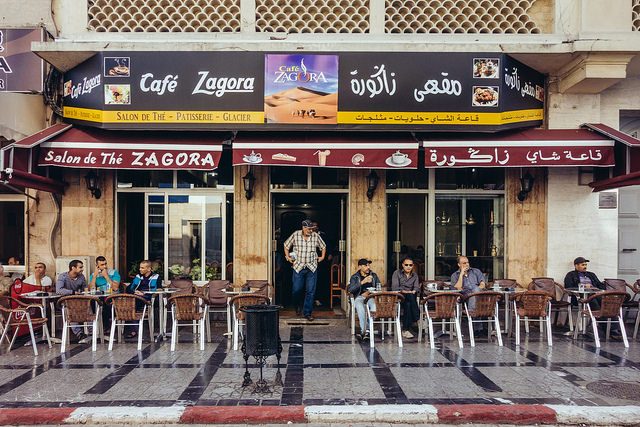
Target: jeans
{"type": "Point", "coordinates": [305, 279]}
{"type": "Point", "coordinates": [360, 309]}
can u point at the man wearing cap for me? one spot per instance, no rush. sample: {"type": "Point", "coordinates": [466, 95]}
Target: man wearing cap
{"type": "Point", "coordinates": [305, 261]}
{"type": "Point", "coordinates": [359, 283]}
{"type": "Point", "coordinates": [580, 275]}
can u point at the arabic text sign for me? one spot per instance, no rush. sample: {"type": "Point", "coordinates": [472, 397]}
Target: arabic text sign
{"type": "Point", "coordinates": [20, 69]}
{"type": "Point", "coordinates": [150, 158]}
{"type": "Point", "coordinates": [470, 156]}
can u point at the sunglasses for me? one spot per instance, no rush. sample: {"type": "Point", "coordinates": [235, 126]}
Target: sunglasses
{"type": "Point", "coordinates": [408, 265]}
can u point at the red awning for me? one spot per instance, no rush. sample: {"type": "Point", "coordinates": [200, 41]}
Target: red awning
{"type": "Point", "coordinates": [39, 137]}
{"type": "Point", "coordinates": [530, 148]}
{"type": "Point", "coordinates": [327, 149]}
{"type": "Point", "coordinates": [17, 171]}
{"type": "Point", "coordinates": [96, 148]}
{"type": "Point", "coordinates": [614, 134]}
{"type": "Point", "coordinates": [616, 182]}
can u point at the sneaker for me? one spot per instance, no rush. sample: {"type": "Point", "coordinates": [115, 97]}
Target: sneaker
{"type": "Point", "coordinates": [407, 334]}
{"type": "Point", "coordinates": [365, 335]}
{"type": "Point", "coordinates": [81, 336]}
{"type": "Point", "coordinates": [310, 318]}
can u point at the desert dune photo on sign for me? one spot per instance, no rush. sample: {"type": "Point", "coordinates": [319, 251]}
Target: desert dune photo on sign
{"type": "Point", "coordinates": [301, 89]}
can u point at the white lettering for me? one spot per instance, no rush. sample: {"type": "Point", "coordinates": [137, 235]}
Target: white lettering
{"type": "Point", "coordinates": [168, 84]}
{"type": "Point", "coordinates": [218, 86]}
{"type": "Point", "coordinates": [432, 87]}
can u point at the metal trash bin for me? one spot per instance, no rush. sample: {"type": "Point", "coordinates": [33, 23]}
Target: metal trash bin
{"type": "Point", "coordinates": [263, 336]}
{"type": "Point", "coordinates": [261, 340]}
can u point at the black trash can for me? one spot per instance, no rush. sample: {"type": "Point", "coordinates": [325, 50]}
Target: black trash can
{"type": "Point", "coordinates": [263, 335]}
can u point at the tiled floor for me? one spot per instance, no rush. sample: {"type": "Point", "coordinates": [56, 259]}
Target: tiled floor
{"type": "Point", "coordinates": [320, 364]}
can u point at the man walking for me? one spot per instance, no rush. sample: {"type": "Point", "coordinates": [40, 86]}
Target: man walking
{"type": "Point", "coordinates": [305, 261]}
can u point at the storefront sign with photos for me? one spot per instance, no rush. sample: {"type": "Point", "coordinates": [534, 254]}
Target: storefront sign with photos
{"type": "Point", "coordinates": [20, 69]}
{"type": "Point", "coordinates": [292, 91]}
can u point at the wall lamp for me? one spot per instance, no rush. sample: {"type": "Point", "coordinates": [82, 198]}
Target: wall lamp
{"type": "Point", "coordinates": [92, 180]}
{"type": "Point", "coordinates": [249, 182]}
{"type": "Point", "coordinates": [372, 183]}
{"type": "Point", "coordinates": [526, 185]}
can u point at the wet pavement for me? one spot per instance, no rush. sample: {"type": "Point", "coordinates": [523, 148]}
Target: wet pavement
{"type": "Point", "coordinates": [322, 364]}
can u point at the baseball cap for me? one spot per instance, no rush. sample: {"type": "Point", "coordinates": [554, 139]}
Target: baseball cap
{"type": "Point", "coordinates": [307, 223]}
{"type": "Point", "coordinates": [363, 261]}
{"type": "Point", "coordinates": [580, 260]}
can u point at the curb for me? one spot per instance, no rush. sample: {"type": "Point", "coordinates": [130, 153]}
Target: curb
{"type": "Point", "coordinates": [405, 414]}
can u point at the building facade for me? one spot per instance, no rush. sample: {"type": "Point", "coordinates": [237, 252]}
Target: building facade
{"type": "Point", "coordinates": [201, 223]}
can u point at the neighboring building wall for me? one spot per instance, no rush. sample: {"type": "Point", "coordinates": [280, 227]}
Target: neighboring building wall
{"type": "Point", "coordinates": [251, 227]}
{"type": "Point", "coordinates": [526, 227]}
{"type": "Point", "coordinates": [88, 223]}
{"type": "Point", "coordinates": [578, 228]}
{"type": "Point", "coordinates": [367, 222]}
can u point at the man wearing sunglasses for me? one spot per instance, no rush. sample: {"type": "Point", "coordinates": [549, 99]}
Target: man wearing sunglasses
{"type": "Point", "coordinates": [406, 281]}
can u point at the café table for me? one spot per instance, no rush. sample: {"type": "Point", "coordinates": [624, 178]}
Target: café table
{"type": "Point", "coordinates": [507, 294]}
{"type": "Point", "coordinates": [161, 294]}
{"type": "Point", "coordinates": [582, 294]}
{"type": "Point", "coordinates": [46, 298]}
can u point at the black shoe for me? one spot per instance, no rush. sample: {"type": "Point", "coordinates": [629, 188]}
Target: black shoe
{"type": "Point", "coordinates": [298, 311]}
{"type": "Point", "coordinates": [310, 318]}
{"type": "Point", "coordinates": [365, 336]}
{"type": "Point", "coordinates": [80, 336]}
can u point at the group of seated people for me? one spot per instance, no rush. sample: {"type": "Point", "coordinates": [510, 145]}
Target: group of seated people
{"type": "Point", "coordinates": [465, 279]}
{"type": "Point", "coordinates": [74, 282]}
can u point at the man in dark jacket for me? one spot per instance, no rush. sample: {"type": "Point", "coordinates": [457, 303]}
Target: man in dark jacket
{"type": "Point", "coordinates": [579, 275]}
{"type": "Point", "coordinates": [359, 285]}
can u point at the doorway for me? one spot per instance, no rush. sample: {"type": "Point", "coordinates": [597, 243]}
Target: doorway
{"type": "Point", "coordinates": [329, 211]}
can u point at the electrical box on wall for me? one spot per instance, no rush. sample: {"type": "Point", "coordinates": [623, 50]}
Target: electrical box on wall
{"type": "Point", "coordinates": [62, 264]}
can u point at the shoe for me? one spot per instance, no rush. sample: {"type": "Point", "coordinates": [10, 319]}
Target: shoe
{"type": "Point", "coordinates": [106, 337]}
{"type": "Point", "coordinates": [131, 335]}
{"type": "Point", "coordinates": [310, 318]}
{"type": "Point", "coordinates": [407, 334]}
{"type": "Point", "coordinates": [365, 335]}
{"type": "Point", "coordinates": [360, 337]}
{"type": "Point", "coordinates": [84, 340]}
{"type": "Point", "coordinates": [80, 336]}
{"type": "Point", "coordinates": [616, 337]}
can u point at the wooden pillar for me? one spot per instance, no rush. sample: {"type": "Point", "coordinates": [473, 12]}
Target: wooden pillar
{"type": "Point", "coordinates": [251, 232]}
{"type": "Point", "coordinates": [367, 222]}
{"type": "Point", "coordinates": [87, 224]}
{"type": "Point", "coordinates": [526, 231]}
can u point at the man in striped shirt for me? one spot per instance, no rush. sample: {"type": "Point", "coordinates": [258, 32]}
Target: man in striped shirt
{"type": "Point", "coordinates": [305, 261]}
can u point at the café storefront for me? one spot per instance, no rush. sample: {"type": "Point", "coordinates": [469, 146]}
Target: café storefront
{"type": "Point", "coordinates": [208, 160]}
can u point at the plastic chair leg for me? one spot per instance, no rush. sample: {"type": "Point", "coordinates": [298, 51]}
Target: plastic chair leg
{"type": "Point", "coordinates": [596, 336]}
{"type": "Point", "coordinates": [140, 329]}
{"type": "Point", "coordinates": [33, 337]}
{"type": "Point", "coordinates": [45, 330]}
{"type": "Point", "coordinates": [94, 336]}
{"type": "Point", "coordinates": [202, 332]}
{"type": "Point", "coordinates": [517, 328]}
{"type": "Point", "coordinates": [431, 336]}
{"type": "Point", "coordinates": [398, 331]}
{"type": "Point", "coordinates": [65, 337]}
{"type": "Point", "coordinates": [113, 333]}
{"type": "Point", "coordinates": [174, 334]}
{"type": "Point", "coordinates": [459, 331]}
{"type": "Point", "coordinates": [623, 331]}
{"type": "Point", "coordinates": [371, 333]}
{"type": "Point", "coordinates": [549, 337]}
{"type": "Point", "coordinates": [635, 328]}
{"type": "Point", "coordinates": [498, 332]}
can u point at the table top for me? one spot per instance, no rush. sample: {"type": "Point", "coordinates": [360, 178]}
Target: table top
{"type": "Point", "coordinates": [236, 292]}
{"type": "Point", "coordinates": [584, 291]}
{"type": "Point", "coordinates": [40, 295]}
{"type": "Point", "coordinates": [164, 291]}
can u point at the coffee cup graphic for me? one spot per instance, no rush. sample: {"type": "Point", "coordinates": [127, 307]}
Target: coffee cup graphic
{"type": "Point", "coordinates": [399, 158]}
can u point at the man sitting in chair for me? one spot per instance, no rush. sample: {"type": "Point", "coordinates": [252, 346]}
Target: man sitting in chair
{"type": "Point", "coordinates": [359, 283]}
{"type": "Point", "coordinates": [39, 277]}
{"type": "Point", "coordinates": [469, 280]}
{"type": "Point", "coordinates": [146, 280]}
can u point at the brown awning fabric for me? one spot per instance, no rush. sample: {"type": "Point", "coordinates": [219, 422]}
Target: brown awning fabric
{"type": "Point", "coordinates": [616, 182]}
{"type": "Point", "coordinates": [614, 134]}
{"type": "Point", "coordinates": [95, 148]}
{"type": "Point", "coordinates": [530, 148]}
{"type": "Point", "coordinates": [327, 149]}
{"type": "Point", "coordinates": [17, 171]}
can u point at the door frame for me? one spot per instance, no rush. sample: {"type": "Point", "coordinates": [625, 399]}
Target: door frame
{"type": "Point", "coordinates": [344, 226]}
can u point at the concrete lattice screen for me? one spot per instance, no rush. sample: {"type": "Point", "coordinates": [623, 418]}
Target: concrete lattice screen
{"type": "Point", "coordinates": [461, 16]}
{"type": "Point", "coordinates": [320, 16]}
{"type": "Point", "coordinates": [636, 15]}
{"type": "Point", "coordinates": [164, 15]}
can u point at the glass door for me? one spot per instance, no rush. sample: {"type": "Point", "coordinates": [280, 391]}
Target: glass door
{"type": "Point", "coordinates": [472, 226]}
{"type": "Point", "coordinates": [407, 231]}
{"type": "Point", "coordinates": [185, 235]}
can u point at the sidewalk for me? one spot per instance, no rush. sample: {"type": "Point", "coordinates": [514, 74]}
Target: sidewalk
{"type": "Point", "coordinates": [328, 377]}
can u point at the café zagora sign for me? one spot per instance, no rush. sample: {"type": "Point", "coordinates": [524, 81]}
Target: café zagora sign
{"type": "Point", "coordinates": [292, 91]}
